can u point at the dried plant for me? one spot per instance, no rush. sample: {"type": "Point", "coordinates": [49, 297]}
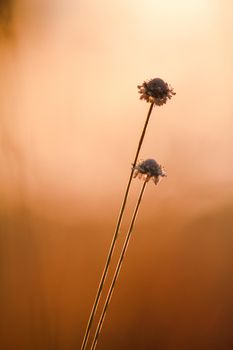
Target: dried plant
{"type": "Point", "coordinates": [149, 169]}
{"type": "Point", "coordinates": [156, 92]}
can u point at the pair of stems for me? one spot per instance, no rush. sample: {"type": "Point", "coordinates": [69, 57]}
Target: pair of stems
{"type": "Point", "coordinates": [112, 246]}
{"type": "Point", "coordinates": [119, 264]}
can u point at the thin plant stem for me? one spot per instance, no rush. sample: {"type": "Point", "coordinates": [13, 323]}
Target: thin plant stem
{"type": "Point", "coordinates": [112, 246]}
{"type": "Point", "coordinates": [119, 264]}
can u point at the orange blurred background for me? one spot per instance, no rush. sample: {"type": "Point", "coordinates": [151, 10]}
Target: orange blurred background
{"type": "Point", "coordinates": [70, 123]}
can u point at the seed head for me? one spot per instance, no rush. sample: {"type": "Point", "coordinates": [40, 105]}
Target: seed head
{"type": "Point", "coordinates": [155, 91]}
{"type": "Point", "coordinates": [148, 169]}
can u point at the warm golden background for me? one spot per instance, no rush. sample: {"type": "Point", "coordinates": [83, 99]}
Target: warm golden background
{"type": "Point", "coordinates": [70, 119]}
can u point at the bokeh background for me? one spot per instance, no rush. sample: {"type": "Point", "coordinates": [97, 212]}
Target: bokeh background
{"type": "Point", "coordinates": [70, 119]}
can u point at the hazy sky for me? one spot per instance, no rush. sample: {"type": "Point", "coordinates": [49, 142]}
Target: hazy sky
{"type": "Point", "coordinates": [71, 72]}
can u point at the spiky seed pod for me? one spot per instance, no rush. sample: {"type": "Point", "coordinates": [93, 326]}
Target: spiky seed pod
{"type": "Point", "coordinates": [149, 169]}
{"type": "Point", "coordinates": [156, 91]}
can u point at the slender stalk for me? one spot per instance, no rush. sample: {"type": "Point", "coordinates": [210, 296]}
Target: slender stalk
{"type": "Point", "coordinates": [117, 271]}
{"type": "Point", "coordinates": [112, 246]}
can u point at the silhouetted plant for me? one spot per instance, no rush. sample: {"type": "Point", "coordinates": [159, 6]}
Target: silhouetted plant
{"type": "Point", "coordinates": [156, 92]}
{"type": "Point", "coordinates": [148, 169]}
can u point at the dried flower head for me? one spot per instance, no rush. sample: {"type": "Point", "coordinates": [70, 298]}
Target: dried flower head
{"type": "Point", "coordinates": [148, 169]}
{"type": "Point", "coordinates": [155, 91]}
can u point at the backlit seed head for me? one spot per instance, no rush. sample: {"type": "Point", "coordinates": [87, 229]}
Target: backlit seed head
{"type": "Point", "coordinates": [156, 91]}
{"type": "Point", "coordinates": [149, 169]}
